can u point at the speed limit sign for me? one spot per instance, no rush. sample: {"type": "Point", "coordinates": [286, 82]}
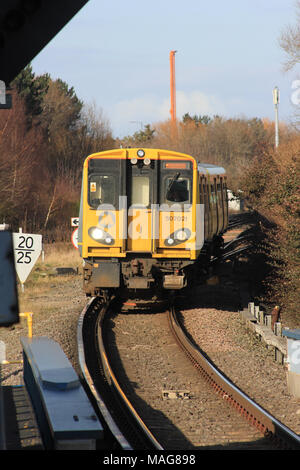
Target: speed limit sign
{"type": "Point", "coordinates": [74, 238]}
{"type": "Point", "coordinates": [27, 249]}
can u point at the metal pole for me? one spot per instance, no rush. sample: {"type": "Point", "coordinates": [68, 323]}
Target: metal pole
{"type": "Point", "coordinates": [276, 102]}
{"type": "Point", "coordinates": [276, 126]}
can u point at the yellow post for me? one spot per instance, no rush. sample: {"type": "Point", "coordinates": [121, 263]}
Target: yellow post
{"type": "Point", "coordinates": [28, 315]}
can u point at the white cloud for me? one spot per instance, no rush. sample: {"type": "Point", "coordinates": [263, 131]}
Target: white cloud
{"type": "Point", "coordinates": [127, 116]}
{"type": "Point", "coordinates": [196, 102]}
{"type": "Point", "coordinates": [139, 107]}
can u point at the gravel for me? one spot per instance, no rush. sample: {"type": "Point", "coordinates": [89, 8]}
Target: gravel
{"type": "Point", "coordinates": [223, 336]}
{"type": "Point", "coordinates": [210, 315]}
{"type": "Point", "coordinates": [58, 324]}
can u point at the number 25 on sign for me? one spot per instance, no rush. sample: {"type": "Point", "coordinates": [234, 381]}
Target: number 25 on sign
{"type": "Point", "coordinates": [27, 249]}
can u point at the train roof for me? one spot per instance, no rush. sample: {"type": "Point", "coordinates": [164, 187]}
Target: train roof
{"type": "Point", "coordinates": [211, 169]}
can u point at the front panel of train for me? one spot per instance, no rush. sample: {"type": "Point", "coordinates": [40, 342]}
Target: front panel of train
{"type": "Point", "coordinates": [141, 223]}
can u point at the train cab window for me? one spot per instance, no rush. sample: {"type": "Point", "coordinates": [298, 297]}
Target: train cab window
{"type": "Point", "coordinates": [177, 189]}
{"type": "Point", "coordinates": [140, 191]}
{"type": "Point", "coordinates": [102, 190]}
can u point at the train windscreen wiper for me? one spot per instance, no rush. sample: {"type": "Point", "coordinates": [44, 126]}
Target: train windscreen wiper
{"type": "Point", "coordinates": [175, 178]}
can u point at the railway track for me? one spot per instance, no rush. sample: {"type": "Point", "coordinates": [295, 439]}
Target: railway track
{"type": "Point", "coordinates": [278, 434]}
{"type": "Point", "coordinates": [124, 428]}
{"type": "Point", "coordinates": [167, 392]}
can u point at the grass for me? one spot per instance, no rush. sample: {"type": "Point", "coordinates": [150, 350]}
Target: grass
{"type": "Point", "coordinates": [60, 254]}
{"type": "Point", "coordinates": [44, 280]}
{"type": "Point", "coordinates": [55, 255]}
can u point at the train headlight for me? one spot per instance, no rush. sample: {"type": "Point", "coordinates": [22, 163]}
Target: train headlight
{"type": "Point", "coordinates": [100, 236]}
{"type": "Point", "coordinates": [140, 153]}
{"type": "Point", "coordinates": [96, 233]}
{"type": "Point", "coordinates": [180, 236]}
{"type": "Point", "coordinates": [134, 161]}
{"type": "Point", "coordinates": [147, 161]}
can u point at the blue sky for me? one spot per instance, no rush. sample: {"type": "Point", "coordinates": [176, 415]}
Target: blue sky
{"type": "Point", "coordinates": [116, 55]}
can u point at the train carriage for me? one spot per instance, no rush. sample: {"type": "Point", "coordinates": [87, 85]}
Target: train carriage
{"type": "Point", "coordinates": [148, 219]}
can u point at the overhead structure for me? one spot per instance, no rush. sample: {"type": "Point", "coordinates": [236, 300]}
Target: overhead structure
{"type": "Point", "coordinates": [172, 86]}
{"type": "Point", "coordinates": [26, 27]}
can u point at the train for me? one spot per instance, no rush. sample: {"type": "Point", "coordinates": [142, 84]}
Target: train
{"type": "Point", "coordinates": [150, 220]}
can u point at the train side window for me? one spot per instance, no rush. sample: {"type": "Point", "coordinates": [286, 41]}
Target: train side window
{"type": "Point", "coordinates": [206, 195]}
{"type": "Point", "coordinates": [215, 185]}
{"type": "Point", "coordinates": [225, 190]}
{"type": "Point", "coordinates": [213, 194]}
{"type": "Point", "coordinates": [102, 190]}
{"type": "Point", "coordinates": [202, 190]}
{"type": "Point", "coordinates": [140, 191]}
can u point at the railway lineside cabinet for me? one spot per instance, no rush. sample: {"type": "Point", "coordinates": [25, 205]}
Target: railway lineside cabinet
{"type": "Point", "coordinates": [293, 360]}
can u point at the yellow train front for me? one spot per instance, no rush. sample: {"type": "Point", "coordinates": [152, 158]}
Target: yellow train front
{"type": "Point", "coordinates": [149, 221]}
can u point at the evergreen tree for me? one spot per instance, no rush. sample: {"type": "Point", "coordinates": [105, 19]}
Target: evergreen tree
{"type": "Point", "coordinates": [32, 89]}
{"type": "Point", "coordinates": [198, 119]}
{"type": "Point", "coordinates": [144, 135]}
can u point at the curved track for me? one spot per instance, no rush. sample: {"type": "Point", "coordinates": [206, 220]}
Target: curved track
{"type": "Point", "coordinates": [119, 414]}
{"type": "Point", "coordinates": [280, 435]}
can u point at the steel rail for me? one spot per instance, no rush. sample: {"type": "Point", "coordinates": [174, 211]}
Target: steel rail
{"type": "Point", "coordinates": [102, 408]}
{"type": "Point", "coordinates": [111, 378]}
{"type": "Point", "coordinates": [281, 435]}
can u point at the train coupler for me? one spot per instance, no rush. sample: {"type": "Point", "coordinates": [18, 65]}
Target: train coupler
{"type": "Point", "coordinates": [139, 282]}
{"type": "Point", "coordinates": [172, 281]}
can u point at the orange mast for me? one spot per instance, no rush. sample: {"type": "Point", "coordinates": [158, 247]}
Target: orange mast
{"type": "Point", "coordinates": [172, 86]}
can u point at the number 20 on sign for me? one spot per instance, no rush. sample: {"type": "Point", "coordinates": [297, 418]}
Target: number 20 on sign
{"type": "Point", "coordinates": [27, 249]}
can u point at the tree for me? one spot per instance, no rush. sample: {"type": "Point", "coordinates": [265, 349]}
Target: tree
{"type": "Point", "coordinates": [197, 119]}
{"type": "Point", "coordinates": [20, 149]}
{"type": "Point", "coordinates": [289, 41]}
{"type": "Point", "coordinates": [94, 133]}
{"type": "Point", "coordinates": [44, 139]}
{"type": "Point", "coordinates": [60, 115]}
{"type": "Point", "coordinates": [232, 143]}
{"type": "Point", "coordinates": [271, 186]}
{"type": "Point", "coordinates": [72, 132]}
{"type": "Point", "coordinates": [33, 90]}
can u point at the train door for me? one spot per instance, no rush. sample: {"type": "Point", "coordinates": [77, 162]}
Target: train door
{"type": "Point", "coordinates": [140, 187]}
{"type": "Point", "coordinates": [104, 188]}
{"type": "Point", "coordinates": [175, 210]}
{"type": "Point", "coordinates": [221, 205]}
{"type": "Point", "coordinates": [213, 220]}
